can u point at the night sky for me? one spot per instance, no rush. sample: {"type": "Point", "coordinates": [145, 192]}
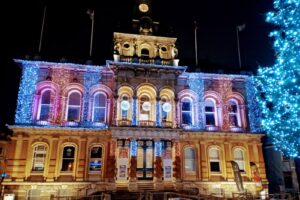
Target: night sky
{"type": "Point", "coordinates": [67, 35]}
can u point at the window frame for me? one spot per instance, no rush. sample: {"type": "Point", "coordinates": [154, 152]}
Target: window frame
{"type": "Point", "coordinates": [236, 114]}
{"type": "Point", "coordinates": [99, 107]}
{"type": "Point", "coordinates": [238, 160]}
{"type": "Point", "coordinates": [44, 158]}
{"type": "Point", "coordinates": [191, 111]}
{"type": "Point", "coordinates": [101, 159]}
{"type": "Point", "coordinates": [74, 106]}
{"type": "Point", "coordinates": [190, 160]}
{"type": "Point", "coordinates": [214, 113]}
{"type": "Point", "coordinates": [128, 111]}
{"type": "Point", "coordinates": [40, 105]}
{"type": "Point", "coordinates": [214, 160]}
{"type": "Point", "coordinates": [141, 107]}
{"type": "Point", "coordinates": [74, 159]}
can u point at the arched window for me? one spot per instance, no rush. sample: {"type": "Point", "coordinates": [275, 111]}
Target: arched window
{"type": "Point", "coordinates": [145, 53]}
{"type": "Point", "coordinates": [44, 106]}
{"type": "Point", "coordinates": [238, 156]}
{"type": "Point", "coordinates": [74, 106]}
{"type": "Point", "coordinates": [214, 160]}
{"type": "Point", "coordinates": [189, 159]}
{"type": "Point", "coordinates": [95, 164]}
{"type": "Point", "coordinates": [39, 158]}
{"type": "Point", "coordinates": [99, 109]}
{"type": "Point", "coordinates": [210, 112]}
{"type": "Point", "coordinates": [125, 105]}
{"type": "Point", "coordinates": [233, 112]}
{"type": "Point", "coordinates": [187, 111]}
{"type": "Point", "coordinates": [68, 158]}
{"type": "Point", "coordinates": [165, 109]}
{"type": "Point", "coordinates": [145, 108]}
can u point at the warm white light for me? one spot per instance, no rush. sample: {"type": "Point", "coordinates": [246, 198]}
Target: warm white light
{"type": "Point", "coordinates": [146, 106]}
{"type": "Point", "coordinates": [167, 107]}
{"type": "Point", "coordinates": [125, 105]}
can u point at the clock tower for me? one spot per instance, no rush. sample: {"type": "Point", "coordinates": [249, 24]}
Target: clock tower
{"type": "Point", "coordinates": [144, 21]}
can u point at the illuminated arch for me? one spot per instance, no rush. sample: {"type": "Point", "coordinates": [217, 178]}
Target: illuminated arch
{"type": "Point", "coordinates": [125, 92]}
{"type": "Point", "coordinates": [41, 88]}
{"type": "Point", "coordinates": [146, 92]}
{"type": "Point", "coordinates": [167, 96]}
{"type": "Point", "coordinates": [94, 92]}
{"type": "Point", "coordinates": [187, 108]}
{"type": "Point", "coordinates": [147, 46]}
{"type": "Point", "coordinates": [239, 113]}
{"type": "Point", "coordinates": [214, 110]}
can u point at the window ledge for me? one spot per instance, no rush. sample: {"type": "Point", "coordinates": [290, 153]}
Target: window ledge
{"type": "Point", "coordinates": [212, 128]}
{"type": "Point", "coordinates": [71, 123]}
{"type": "Point", "coordinates": [42, 122]}
{"type": "Point", "coordinates": [236, 129]}
{"type": "Point", "coordinates": [99, 124]}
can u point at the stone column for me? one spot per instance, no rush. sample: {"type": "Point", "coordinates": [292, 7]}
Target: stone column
{"type": "Point", "coordinates": [115, 110]}
{"type": "Point", "coordinates": [204, 166]}
{"type": "Point", "coordinates": [132, 186]}
{"type": "Point", "coordinates": [158, 109]}
{"type": "Point", "coordinates": [134, 109]}
{"type": "Point", "coordinates": [177, 167]}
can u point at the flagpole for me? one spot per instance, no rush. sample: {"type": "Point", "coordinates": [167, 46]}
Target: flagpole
{"type": "Point", "coordinates": [92, 32]}
{"type": "Point", "coordinates": [238, 46]}
{"type": "Point", "coordinates": [42, 29]}
{"type": "Point", "coordinates": [196, 46]}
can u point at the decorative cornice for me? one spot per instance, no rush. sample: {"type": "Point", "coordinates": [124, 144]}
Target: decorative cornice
{"type": "Point", "coordinates": [36, 130]}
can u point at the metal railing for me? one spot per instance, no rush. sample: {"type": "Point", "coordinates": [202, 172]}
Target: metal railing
{"type": "Point", "coordinates": [92, 197]}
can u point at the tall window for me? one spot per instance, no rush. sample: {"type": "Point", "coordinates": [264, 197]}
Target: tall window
{"type": "Point", "coordinates": [145, 107]}
{"type": "Point", "coordinates": [164, 109]}
{"type": "Point", "coordinates": [99, 108]}
{"type": "Point", "coordinates": [214, 160]}
{"type": "Point", "coordinates": [186, 111]}
{"type": "Point", "coordinates": [233, 113]}
{"type": "Point", "coordinates": [189, 159]}
{"type": "Point", "coordinates": [45, 105]}
{"type": "Point", "coordinates": [74, 106]}
{"type": "Point", "coordinates": [95, 164]}
{"type": "Point", "coordinates": [210, 112]}
{"type": "Point", "coordinates": [39, 158]}
{"type": "Point", "coordinates": [238, 156]}
{"type": "Point", "coordinates": [125, 107]}
{"type": "Point", "coordinates": [68, 158]}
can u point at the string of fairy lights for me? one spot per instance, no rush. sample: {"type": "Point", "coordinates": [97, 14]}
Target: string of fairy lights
{"type": "Point", "coordinates": [279, 84]}
{"type": "Point", "coordinates": [92, 77]}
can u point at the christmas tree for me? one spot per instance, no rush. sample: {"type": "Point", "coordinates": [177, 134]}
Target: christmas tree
{"type": "Point", "coordinates": [280, 84]}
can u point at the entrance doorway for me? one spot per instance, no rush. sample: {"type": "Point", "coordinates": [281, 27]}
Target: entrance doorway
{"type": "Point", "coordinates": [145, 159]}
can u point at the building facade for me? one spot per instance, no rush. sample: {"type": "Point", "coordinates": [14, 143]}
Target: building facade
{"type": "Point", "coordinates": [139, 122]}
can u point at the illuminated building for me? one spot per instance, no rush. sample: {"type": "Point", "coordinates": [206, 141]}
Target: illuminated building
{"type": "Point", "coordinates": [139, 122]}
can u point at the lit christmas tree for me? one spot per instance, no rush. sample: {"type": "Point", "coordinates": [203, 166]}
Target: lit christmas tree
{"type": "Point", "coordinates": [280, 84]}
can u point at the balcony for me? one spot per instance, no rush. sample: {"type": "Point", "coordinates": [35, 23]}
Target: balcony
{"type": "Point", "coordinates": [145, 60]}
{"type": "Point", "coordinates": [146, 123]}
{"type": "Point", "coordinates": [124, 122]}
{"type": "Point", "coordinates": [167, 124]}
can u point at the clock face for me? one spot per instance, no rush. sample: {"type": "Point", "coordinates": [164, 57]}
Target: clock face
{"type": "Point", "coordinates": [143, 7]}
